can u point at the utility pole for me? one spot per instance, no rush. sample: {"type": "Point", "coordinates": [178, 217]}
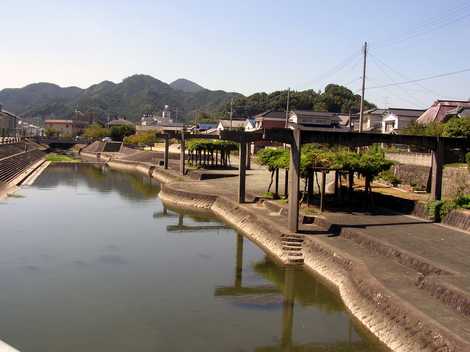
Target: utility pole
{"type": "Point", "coordinates": [231, 113]}
{"type": "Point", "coordinates": [287, 107]}
{"type": "Point", "coordinates": [361, 114]}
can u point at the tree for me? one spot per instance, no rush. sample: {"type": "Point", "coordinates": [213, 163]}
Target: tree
{"type": "Point", "coordinates": [145, 138]}
{"type": "Point", "coordinates": [96, 131]}
{"type": "Point", "coordinates": [51, 132]}
{"type": "Point", "coordinates": [119, 132]}
{"type": "Point", "coordinates": [457, 127]}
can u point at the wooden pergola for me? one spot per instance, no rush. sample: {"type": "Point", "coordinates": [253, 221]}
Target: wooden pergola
{"type": "Point", "coordinates": [296, 136]}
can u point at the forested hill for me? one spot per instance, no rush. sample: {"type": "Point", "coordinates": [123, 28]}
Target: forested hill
{"type": "Point", "coordinates": [131, 98]}
{"type": "Point", "coordinates": [334, 98]}
{"type": "Point", "coordinates": [141, 94]}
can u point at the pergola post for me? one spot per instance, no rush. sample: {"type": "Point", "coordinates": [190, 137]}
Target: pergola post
{"type": "Point", "coordinates": [286, 182]}
{"type": "Point", "coordinates": [322, 191]}
{"type": "Point", "coordinates": [242, 173]}
{"type": "Point", "coordinates": [182, 154]}
{"type": "Point", "coordinates": [276, 183]}
{"type": "Point", "coordinates": [248, 156]}
{"type": "Point", "coordinates": [436, 170]}
{"type": "Point", "coordinates": [165, 153]}
{"type": "Point", "coordinates": [294, 176]}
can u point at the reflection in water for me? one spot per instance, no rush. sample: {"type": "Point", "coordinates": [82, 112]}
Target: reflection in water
{"type": "Point", "coordinates": [181, 227]}
{"type": "Point", "coordinates": [133, 186]}
{"type": "Point", "coordinates": [99, 265]}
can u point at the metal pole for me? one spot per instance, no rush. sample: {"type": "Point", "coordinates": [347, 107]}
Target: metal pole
{"type": "Point", "coordinates": [361, 115]}
{"type": "Point", "coordinates": [231, 113]}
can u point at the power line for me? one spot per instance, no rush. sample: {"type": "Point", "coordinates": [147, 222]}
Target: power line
{"type": "Point", "coordinates": [437, 94]}
{"type": "Point", "coordinates": [432, 24]}
{"type": "Point", "coordinates": [406, 91]}
{"type": "Point", "coordinates": [421, 79]}
{"type": "Point", "coordinates": [334, 70]}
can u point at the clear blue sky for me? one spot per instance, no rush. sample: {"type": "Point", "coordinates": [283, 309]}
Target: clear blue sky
{"type": "Point", "coordinates": [244, 46]}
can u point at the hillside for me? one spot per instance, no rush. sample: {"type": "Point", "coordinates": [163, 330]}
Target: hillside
{"type": "Point", "coordinates": [132, 97]}
{"type": "Point", "coordinates": [187, 86]}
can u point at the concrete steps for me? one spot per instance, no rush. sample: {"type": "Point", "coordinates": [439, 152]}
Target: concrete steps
{"type": "Point", "coordinates": [13, 166]}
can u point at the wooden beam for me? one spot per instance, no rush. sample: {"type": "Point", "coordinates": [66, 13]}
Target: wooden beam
{"type": "Point", "coordinates": [294, 177]}
{"type": "Point", "coordinates": [242, 174]}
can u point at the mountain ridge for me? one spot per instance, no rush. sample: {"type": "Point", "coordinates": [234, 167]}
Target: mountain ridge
{"type": "Point", "coordinates": [133, 96]}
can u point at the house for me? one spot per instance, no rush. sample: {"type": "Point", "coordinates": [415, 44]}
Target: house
{"type": "Point", "coordinates": [316, 119]}
{"type": "Point", "coordinates": [66, 128]}
{"type": "Point", "coordinates": [203, 127]}
{"type": "Point", "coordinates": [372, 120]}
{"type": "Point", "coordinates": [250, 125]}
{"type": "Point", "coordinates": [439, 110]}
{"type": "Point", "coordinates": [387, 120]}
{"type": "Point", "coordinates": [395, 119]}
{"type": "Point", "coordinates": [231, 124]}
{"type": "Point", "coordinates": [270, 119]}
{"type": "Point", "coordinates": [8, 123]}
{"type": "Point", "coordinates": [460, 112]}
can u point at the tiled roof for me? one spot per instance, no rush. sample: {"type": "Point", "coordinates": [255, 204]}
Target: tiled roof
{"type": "Point", "coordinates": [439, 110]}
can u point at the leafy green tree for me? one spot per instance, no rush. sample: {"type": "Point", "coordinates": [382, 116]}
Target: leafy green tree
{"type": "Point", "coordinates": [457, 127]}
{"type": "Point", "coordinates": [145, 138]}
{"type": "Point", "coordinates": [96, 131]}
{"type": "Point", "coordinates": [119, 132]}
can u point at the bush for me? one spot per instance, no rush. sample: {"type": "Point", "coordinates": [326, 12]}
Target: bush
{"type": "Point", "coordinates": [389, 177]}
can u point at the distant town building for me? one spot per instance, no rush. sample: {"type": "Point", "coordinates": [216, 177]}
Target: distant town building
{"type": "Point", "coordinates": [389, 120]}
{"type": "Point", "coordinates": [270, 119]}
{"type": "Point", "coordinates": [27, 129]}
{"type": "Point", "coordinates": [66, 128]}
{"type": "Point", "coordinates": [153, 120]}
{"type": "Point", "coordinates": [316, 119]}
{"type": "Point", "coordinates": [440, 109]}
{"type": "Point", "coordinates": [120, 122]}
{"type": "Point", "coordinates": [8, 123]}
{"type": "Point", "coordinates": [228, 124]}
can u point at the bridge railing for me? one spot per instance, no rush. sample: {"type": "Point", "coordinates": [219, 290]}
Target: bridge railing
{"type": "Point", "coordinates": [9, 140]}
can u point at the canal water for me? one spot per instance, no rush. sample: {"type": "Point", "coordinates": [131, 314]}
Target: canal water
{"type": "Point", "coordinates": [91, 261]}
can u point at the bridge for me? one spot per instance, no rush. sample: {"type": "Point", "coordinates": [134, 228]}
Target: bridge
{"type": "Point", "coordinates": [59, 143]}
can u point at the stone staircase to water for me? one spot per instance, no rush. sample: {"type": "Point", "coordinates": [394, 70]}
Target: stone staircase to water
{"type": "Point", "coordinates": [12, 166]}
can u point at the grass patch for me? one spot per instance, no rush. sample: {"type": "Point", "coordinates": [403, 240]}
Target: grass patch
{"type": "Point", "coordinates": [61, 158]}
{"type": "Point", "coordinates": [455, 165]}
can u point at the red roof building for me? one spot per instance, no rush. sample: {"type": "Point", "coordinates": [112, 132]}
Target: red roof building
{"type": "Point", "coordinates": [438, 112]}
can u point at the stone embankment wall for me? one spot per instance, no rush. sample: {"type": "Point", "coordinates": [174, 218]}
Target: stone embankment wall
{"type": "Point", "coordinates": [421, 159]}
{"type": "Point", "coordinates": [455, 180]}
{"type": "Point", "coordinates": [415, 169]}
